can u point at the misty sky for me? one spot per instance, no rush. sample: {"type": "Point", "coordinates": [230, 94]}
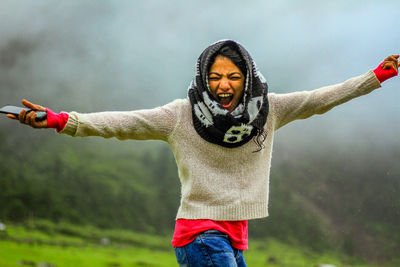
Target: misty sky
{"type": "Point", "coordinates": [121, 55]}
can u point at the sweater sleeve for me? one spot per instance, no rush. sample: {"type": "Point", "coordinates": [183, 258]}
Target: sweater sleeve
{"type": "Point", "coordinates": [301, 105]}
{"type": "Point", "coordinates": [146, 124]}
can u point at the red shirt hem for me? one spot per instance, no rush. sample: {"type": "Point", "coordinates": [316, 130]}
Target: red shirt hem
{"type": "Point", "coordinates": [187, 230]}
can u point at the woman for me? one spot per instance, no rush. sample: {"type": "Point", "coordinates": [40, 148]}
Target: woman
{"type": "Point", "coordinates": [221, 137]}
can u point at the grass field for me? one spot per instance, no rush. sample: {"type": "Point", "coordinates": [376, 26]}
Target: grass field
{"type": "Point", "coordinates": [63, 245]}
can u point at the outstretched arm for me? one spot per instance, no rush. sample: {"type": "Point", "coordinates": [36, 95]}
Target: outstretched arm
{"type": "Point", "coordinates": [157, 123]}
{"type": "Point", "coordinates": [301, 105]}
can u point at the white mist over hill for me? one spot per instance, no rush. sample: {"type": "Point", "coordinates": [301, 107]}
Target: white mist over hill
{"type": "Point", "coordinates": [120, 55]}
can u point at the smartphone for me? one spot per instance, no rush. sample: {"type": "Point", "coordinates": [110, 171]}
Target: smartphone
{"type": "Point", "coordinates": [41, 115]}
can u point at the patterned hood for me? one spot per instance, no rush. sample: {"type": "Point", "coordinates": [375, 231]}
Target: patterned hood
{"type": "Point", "coordinates": [216, 124]}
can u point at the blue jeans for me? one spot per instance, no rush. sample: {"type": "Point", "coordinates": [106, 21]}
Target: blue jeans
{"type": "Point", "coordinates": [210, 248]}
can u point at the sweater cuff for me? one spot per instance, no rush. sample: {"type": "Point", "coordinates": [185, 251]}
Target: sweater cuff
{"type": "Point", "coordinates": [370, 83]}
{"type": "Point", "coordinates": [71, 125]}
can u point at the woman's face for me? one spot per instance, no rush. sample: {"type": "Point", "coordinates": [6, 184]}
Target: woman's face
{"type": "Point", "coordinates": [226, 82]}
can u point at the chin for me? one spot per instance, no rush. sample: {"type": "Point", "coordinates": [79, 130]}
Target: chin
{"type": "Point", "coordinates": [232, 108]}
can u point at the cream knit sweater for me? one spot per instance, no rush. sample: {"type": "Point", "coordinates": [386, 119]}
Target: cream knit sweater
{"type": "Point", "coordinates": [218, 183]}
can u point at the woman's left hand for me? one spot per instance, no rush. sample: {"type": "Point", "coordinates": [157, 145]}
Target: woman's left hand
{"type": "Point", "coordinates": [388, 68]}
{"type": "Point", "coordinates": [391, 62]}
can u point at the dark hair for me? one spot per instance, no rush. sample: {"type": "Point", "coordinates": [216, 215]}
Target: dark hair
{"type": "Point", "coordinates": [231, 53]}
{"type": "Point", "coordinates": [259, 139]}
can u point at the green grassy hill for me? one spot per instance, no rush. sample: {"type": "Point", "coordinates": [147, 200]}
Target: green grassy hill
{"type": "Point", "coordinates": [65, 245]}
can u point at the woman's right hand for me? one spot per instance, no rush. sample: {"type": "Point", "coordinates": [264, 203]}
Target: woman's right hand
{"type": "Point", "coordinates": [29, 118]}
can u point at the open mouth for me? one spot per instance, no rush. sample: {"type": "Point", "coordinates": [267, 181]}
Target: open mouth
{"type": "Point", "coordinates": [225, 100]}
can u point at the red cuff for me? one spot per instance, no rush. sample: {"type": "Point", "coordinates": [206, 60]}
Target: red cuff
{"type": "Point", "coordinates": [56, 120]}
{"type": "Point", "coordinates": [383, 74]}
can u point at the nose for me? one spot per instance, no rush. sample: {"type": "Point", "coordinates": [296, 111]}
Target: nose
{"type": "Point", "coordinates": [224, 84]}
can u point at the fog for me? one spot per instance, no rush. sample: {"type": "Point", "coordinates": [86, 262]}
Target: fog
{"type": "Point", "coordinates": [122, 55]}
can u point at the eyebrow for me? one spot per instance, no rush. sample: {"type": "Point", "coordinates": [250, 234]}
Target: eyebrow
{"type": "Point", "coordinates": [216, 73]}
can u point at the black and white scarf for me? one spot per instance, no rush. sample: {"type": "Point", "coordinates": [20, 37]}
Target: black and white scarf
{"type": "Point", "coordinates": [216, 124]}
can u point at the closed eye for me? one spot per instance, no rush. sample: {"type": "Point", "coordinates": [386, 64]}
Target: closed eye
{"type": "Point", "coordinates": [235, 76]}
{"type": "Point", "coordinates": [214, 76]}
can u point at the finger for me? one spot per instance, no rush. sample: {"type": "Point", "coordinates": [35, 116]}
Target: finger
{"type": "Point", "coordinates": [390, 59]}
{"type": "Point", "coordinates": [392, 56]}
{"type": "Point", "coordinates": [30, 105]}
{"type": "Point", "coordinates": [32, 120]}
{"type": "Point", "coordinates": [388, 65]}
{"type": "Point", "coordinates": [391, 64]}
{"type": "Point", "coordinates": [385, 65]}
{"type": "Point", "coordinates": [11, 116]}
{"type": "Point", "coordinates": [28, 116]}
{"type": "Point", "coordinates": [37, 124]}
{"type": "Point", "coordinates": [27, 104]}
{"type": "Point", "coordinates": [21, 116]}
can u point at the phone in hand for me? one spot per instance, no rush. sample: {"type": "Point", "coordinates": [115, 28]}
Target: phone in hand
{"type": "Point", "coordinates": [14, 110]}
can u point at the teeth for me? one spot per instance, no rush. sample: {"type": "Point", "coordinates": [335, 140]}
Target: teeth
{"type": "Point", "coordinates": [224, 95]}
